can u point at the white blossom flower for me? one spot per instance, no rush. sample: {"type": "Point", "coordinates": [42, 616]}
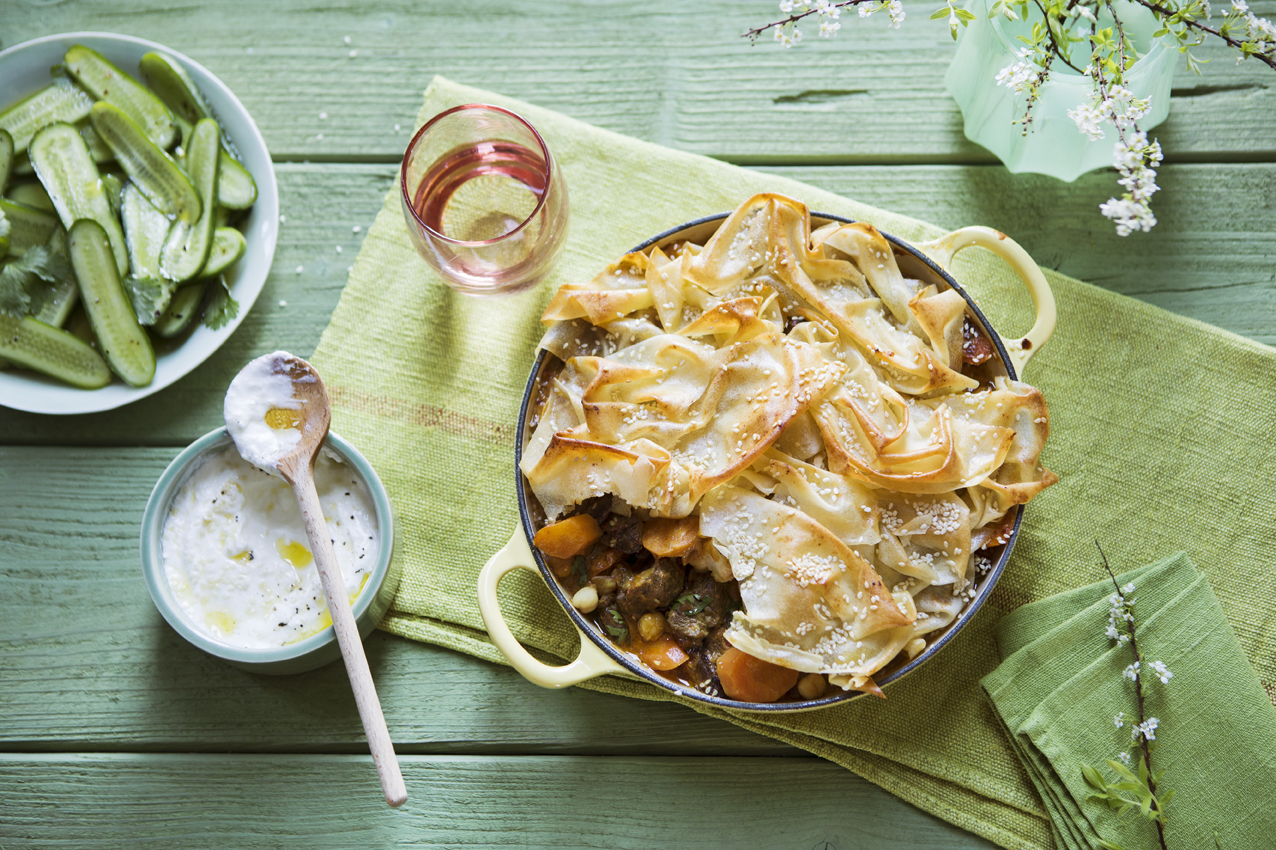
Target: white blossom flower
{"type": "Point", "coordinates": [1145, 731]}
{"type": "Point", "coordinates": [1124, 757]}
{"type": "Point", "coordinates": [1132, 672]}
{"type": "Point", "coordinates": [1119, 720]}
{"type": "Point", "coordinates": [896, 10]}
{"type": "Point", "coordinates": [829, 28]}
{"type": "Point", "coordinates": [1162, 672]}
{"type": "Point", "coordinates": [1089, 120]}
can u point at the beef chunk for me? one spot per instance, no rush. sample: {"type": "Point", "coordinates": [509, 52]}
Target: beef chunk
{"type": "Point", "coordinates": [702, 666]}
{"type": "Point", "coordinates": [652, 588]}
{"type": "Point", "coordinates": [623, 533]}
{"type": "Point", "coordinates": [704, 605]}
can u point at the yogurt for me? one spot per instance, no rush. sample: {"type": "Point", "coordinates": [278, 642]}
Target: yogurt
{"type": "Point", "coordinates": [237, 557]}
{"type": "Point", "coordinates": [256, 411]}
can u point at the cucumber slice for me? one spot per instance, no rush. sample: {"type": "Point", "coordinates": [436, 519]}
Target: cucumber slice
{"type": "Point", "coordinates": [69, 175]}
{"type": "Point", "coordinates": [62, 101]}
{"type": "Point", "coordinates": [228, 247]}
{"type": "Point", "coordinates": [31, 194]}
{"type": "Point", "coordinates": [6, 157]}
{"type": "Point", "coordinates": [125, 345]}
{"type": "Point", "coordinates": [173, 85]}
{"type": "Point", "coordinates": [106, 82]}
{"type": "Point", "coordinates": [150, 169]}
{"type": "Point", "coordinates": [236, 188]}
{"type": "Point", "coordinates": [145, 229]}
{"type": "Point", "coordinates": [181, 310]}
{"type": "Point", "coordinates": [187, 247]}
{"type": "Point", "coordinates": [98, 149]}
{"type": "Point", "coordinates": [35, 345]}
{"type": "Point", "coordinates": [28, 227]}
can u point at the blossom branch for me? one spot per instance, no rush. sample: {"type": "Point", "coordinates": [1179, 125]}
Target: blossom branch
{"type": "Point", "coordinates": [752, 34]}
{"type": "Point", "coordinates": [1138, 690]}
{"type": "Point", "coordinates": [1268, 58]}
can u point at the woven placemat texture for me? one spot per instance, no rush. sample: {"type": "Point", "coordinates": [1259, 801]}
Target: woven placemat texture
{"type": "Point", "coordinates": [1161, 432]}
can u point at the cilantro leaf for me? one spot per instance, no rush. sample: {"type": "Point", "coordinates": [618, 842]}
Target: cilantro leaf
{"type": "Point", "coordinates": [222, 306]}
{"type": "Point", "coordinates": [149, 296]}
{"type": "Point", "coordinates": [39, 283]}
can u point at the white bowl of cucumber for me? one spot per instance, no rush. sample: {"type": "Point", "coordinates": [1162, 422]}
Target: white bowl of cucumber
{"type": "Point", "coordinates": [140, 215]}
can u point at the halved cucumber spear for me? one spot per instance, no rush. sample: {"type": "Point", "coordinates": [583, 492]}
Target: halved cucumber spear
{"type": "Point", "coordinates": [95, 73]}
{"type": "Point", "coordinates": [28, 226]}
{"type": "Point", "coordinates": [148, 167]}
{"type": "Point", "coordinates": [188, 244]}
{"type": "Point", "coordinates": [62, 101]}
{"type": "Point", "coordinates": [69, 175]}
{"type": "Point", "coordinates": [53, 351]}
{"type": "Point", "coordinates": [169, 80]}
{"type": "Point", "coordinates": [122, 340]}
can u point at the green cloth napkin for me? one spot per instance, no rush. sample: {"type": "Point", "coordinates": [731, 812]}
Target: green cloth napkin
{"type": "Point", "coordinates": [1060, 687]}
{"type": "Point", "coordinates": [1161, 433]}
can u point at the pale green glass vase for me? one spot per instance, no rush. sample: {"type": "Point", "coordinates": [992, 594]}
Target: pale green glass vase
{"type": "Point", "coordinates": [1053, 144]}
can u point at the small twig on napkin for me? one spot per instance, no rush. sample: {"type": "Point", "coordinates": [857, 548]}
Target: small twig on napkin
{"type": "Point", "coordinates": [1145, 731]}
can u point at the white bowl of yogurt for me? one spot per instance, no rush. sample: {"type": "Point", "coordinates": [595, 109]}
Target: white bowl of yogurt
{"type": "Point", "coordinates": [227, 562]}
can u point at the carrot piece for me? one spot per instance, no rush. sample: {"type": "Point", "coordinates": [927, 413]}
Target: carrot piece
{"type": "Point", "coordinates": [671, 538]}
{"type": "Point", "coordinates": [751, 679]}
{"type": "Point", "coordinates": [662, 654]}
{"type": "Point", "coordinates": [569, 537]}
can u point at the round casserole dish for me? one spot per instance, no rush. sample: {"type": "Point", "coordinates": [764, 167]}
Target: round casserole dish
{"type": "Point", "coordinates": [928, 262]}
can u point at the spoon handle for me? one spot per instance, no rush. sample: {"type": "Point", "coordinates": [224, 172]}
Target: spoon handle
{"type": "Point", "coordinates": [365, 692]}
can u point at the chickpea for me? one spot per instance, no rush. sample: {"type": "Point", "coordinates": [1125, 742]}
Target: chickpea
{"type": "Point", "coordinates": [811, 686]}
{"type": "Point", "coordinates": [604, 585]}
{"type": "Point", "coordinates": [652, 625]}
{"type": "Point", "coordinates": [586, 599]}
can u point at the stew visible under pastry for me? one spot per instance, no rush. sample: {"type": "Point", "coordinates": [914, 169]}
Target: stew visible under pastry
{"type": "Point", "coordinates": [774, 463]}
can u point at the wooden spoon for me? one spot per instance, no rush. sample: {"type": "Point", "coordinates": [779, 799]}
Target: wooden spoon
{"type": "Point", "coordinates": [298, 469]}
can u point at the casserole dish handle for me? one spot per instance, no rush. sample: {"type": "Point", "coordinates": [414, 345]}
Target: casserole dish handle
{"type": "Point", "coordinates": [591, 662]}
{"type": "Point", "coordinates": [942, 251]}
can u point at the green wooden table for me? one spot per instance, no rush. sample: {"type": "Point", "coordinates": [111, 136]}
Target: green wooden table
{"type": "Point", "coordinates": [114, 731]}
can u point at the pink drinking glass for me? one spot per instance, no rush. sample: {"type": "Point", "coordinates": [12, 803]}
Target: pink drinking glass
{"type": "Point", "coordinates": [485, 203]}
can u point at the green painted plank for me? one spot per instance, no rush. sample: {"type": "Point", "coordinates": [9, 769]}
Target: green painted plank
{"type": "Point", "coordinates": [163, 801]}
{"type": "Point", "coordinates": [86, 662]}
{"type": "Point", "coordinates": [674, 73]}
{"type": "Point", "coordinates": [1209, 258]}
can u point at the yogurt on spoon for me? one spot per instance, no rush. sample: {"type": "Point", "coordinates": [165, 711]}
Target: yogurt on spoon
{"type": "Point", "coordinates": [258, 412]}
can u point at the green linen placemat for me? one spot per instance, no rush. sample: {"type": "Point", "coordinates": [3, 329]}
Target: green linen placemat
{"type": "Point", "coordinates": [1161, 428]}
{"type": "Point", "coordinates": [1062, 684]}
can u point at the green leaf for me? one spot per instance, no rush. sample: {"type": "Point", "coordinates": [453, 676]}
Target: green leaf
{"type": "Point", "coordinates": [965, 14]}
{"type": "Point", "coordinates": [149, 296]}
{"type": "Point", "coordinates": [222, 306]}
{"type": "Point", "coordinates": [1093, 778]}
{"type": "Point", "coordinates": [939, 13]}
{"type": "Point", "coordinates": [1109, 845]}
{"type": "Point", "coordinates": [27, 284]}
